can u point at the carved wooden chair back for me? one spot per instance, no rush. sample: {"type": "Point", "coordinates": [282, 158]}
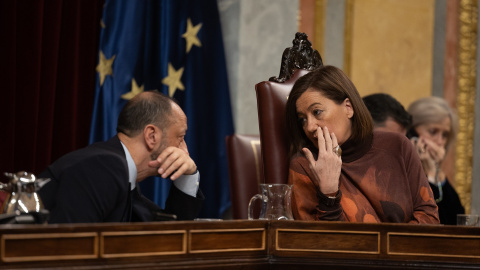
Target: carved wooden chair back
{"type": "Point", "coordinates": [271, 100]}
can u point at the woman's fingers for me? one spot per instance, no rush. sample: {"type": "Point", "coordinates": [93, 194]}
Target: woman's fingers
{"type": "Point", "coordinates": [324, 138]}
{"type": "Point", "coordinates": [327, 167]}
{"type": "Point", "coordinates": [309, 156]}
{"type": "Point", "coordinates": [322, 148]}
{"type": "Point", "coordinates": [328, 140]}
{"type": "Point", "coordinates": [334, 142]}
{"type": "Point", "coordinates": [437, 152]}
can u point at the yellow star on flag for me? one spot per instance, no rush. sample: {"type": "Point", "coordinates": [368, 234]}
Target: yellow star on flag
{"type": "Point", "coordinates": [135, 90]}
{"type": "Point", "coordinates": [173, 80]}
{"type": "Point", "coordinates": [104, 67]}
{"type": "Point", "coordinates": [191, 35]}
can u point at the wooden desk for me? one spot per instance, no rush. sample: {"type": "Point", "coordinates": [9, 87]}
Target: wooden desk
{"type": "Point", "coordinates": [239, 244]}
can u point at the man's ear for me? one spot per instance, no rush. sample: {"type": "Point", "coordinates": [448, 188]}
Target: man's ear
{"type": "Point", "coordinates": [152, 136]}
{"type": "Point", "coordinates": [348, 108]}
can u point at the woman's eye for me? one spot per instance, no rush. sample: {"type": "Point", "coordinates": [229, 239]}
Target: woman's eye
{"type": "Point", "coordinates": [302, 121]}
{"type": "Point", "coordinates": [317, 112]}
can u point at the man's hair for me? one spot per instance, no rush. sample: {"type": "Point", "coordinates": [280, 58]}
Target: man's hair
{"type": "Point", "coordinates": [335, 85]}
{"type": "Point", "coordinates": [382, 106]}
{"type": "Point", "coordinates": [150, 107]}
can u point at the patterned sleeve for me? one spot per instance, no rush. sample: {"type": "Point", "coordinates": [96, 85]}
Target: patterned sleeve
{"type": "Point", "coordinates": [425, 210]}
{"type": "Point", "coordinates": [305, 201]}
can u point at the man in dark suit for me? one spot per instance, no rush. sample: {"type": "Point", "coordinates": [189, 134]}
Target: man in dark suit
{"type": "Point", "coordinates": [98, 183]}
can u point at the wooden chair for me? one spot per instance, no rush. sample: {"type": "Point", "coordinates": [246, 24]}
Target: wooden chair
{"type": "Point", "coordinates": [245, 169]}
{"type": "Point", "coordinates": [272, 97]}
{"type": "Point", "coordinates": [254, 159]}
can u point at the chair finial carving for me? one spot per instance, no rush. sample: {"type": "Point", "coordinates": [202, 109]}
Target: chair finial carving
{"type": "Point", "coordinates": [300, 56]}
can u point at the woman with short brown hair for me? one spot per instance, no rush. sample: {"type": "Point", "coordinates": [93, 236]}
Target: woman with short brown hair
{"type": "Point", "coordinates": [340, 168]}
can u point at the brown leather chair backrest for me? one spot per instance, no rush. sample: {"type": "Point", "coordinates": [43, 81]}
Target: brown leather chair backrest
{"type": "Point", "coordinates": [271, 101]}
{"type": "Point", "coordinates": [245, 169]}
{"type": "Point", "coordinates": [272, 96]}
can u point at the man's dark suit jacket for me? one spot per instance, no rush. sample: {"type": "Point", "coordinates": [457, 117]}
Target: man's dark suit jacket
{"type": "Point", "coordinates": [91, 185]}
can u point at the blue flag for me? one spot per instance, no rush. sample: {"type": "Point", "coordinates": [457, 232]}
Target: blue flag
{"type": "Point", "coordinates": [175, 47]}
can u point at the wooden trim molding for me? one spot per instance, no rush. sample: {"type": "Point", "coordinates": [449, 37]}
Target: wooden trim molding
{"type": "Point", "coordinates": [254, 144]}
{"type": "Point", "coordinates": [311, 20]}
{"type": "Point", "coordinates": [401, 244]}
{"type": "Point", "coordinates": [319, 27]}
{"type": "Point", "coordinates": [226, 240]}
{"type": "Point", "coordinates": [349, 242]}
{"type": "Point", "coordinates": [348, 37]}
{"type": "Point", "coordinates": [239, 244]}
{"type": "Point", "coordinates": [132, 243]}
{"type": "Point", "coordinates": [466, 99]}
{"type": "Point", "coordinates": [67, 246]}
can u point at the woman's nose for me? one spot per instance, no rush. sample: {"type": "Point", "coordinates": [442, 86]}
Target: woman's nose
{"type": "Point", "coordinates": [440, 140]}
{"type": "Point", "coordinates": [312, 124]}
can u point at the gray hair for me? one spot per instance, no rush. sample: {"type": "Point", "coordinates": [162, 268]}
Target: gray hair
{"type": "Point", "coordinates": [433, 110]}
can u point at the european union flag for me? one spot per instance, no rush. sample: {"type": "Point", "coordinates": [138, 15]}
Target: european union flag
{"type": "Point", "coordinates": [175, 47]}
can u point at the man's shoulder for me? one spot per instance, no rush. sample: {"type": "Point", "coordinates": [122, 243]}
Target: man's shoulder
{"type": "Point", "coordinates": [110, 147]}
{"type": "Point", "coordinates": [113, 145]}
{"type": "Point", "coordinates": [96, 154]}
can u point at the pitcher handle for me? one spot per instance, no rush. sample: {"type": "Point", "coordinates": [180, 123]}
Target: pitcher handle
{"type": "Point", "coordinates": [250, 205]}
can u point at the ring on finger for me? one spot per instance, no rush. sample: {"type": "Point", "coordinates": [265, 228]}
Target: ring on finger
{"type": "Point", "coordinates": [337, 150]}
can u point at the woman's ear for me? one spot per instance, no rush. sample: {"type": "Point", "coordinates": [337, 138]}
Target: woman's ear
{"type": "Point", "coordinates": [152, 136]}
{"type": "Point", "coordinates": [348, 108]}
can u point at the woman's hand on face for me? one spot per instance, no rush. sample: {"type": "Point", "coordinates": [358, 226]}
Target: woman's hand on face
{"type": "Point", "coordinates": [429, 153]}
{"type": "Point", "coordinates": [435, 151]}
{"type": "Point", "coordinates": [328, 165]}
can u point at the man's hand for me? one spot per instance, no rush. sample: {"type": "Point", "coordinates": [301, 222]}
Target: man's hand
{"type": "Point", "coordinates": [174, 161]}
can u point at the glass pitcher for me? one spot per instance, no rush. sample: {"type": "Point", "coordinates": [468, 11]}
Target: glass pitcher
{"type": "Point", "coordinates": [276, 202]}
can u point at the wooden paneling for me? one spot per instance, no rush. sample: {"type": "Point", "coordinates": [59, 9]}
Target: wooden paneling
{"type": "Point", "coordinates": [224, 240]}
{"type": "Point", "coordinates": [440, 245]}
{"type": "Point", "coordinates": [132, 244]}
{"type": "Point", "coordinates": [239, 244]}
{"type": "Point", "coordinates": [48, 246]}
{"type": "Point", "coordinates": [328, 241]}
